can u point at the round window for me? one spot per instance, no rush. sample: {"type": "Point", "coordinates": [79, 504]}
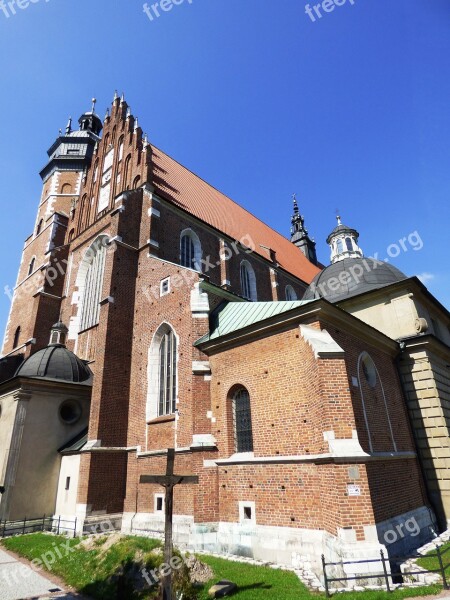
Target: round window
{"type": "Point", "coordinates": [70, 412]}
{"type": "Point", "coordinates": [369, 370]}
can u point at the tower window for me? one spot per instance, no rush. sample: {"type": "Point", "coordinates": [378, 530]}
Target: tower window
{"type": "Point", "coordinates": [16, 338]}
{"type": "Point", "coordinates": [243, 433]}
{"type": "Point", "coordinates": [67, 483]}
{"type": "Point", "coordinates": [248, 281]}
{"type": "Point", "coordinates": [339, 246]}
{"type": "Point", "coordinates": [191, 250]}
{"type": "Point", "coordinates": [348, 243]}
{"type": "Point", "coordinates": [167, 374]}
{"type": "Point", "coordinates": [31, 265]}
{"type": "Point", "coordinates": [39, 227]}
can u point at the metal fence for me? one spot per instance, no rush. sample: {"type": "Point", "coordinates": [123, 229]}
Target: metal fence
{"type": "Point", "coordinates": [54, 524]}
{"type": "Point", "coordinates": [386, 562]}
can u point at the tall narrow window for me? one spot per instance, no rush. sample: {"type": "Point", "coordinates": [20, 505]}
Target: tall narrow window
{"type": "Point", "coordinates": [248, 281]}
{"type": "Point", "coordinates": [31, 265]}
{"type": "Point", "coordinates": [348, 243]}
{"type": "Point", "coordinates": [191, 250]}
{"type": "Point", "coordinates": [290, 293]}
{"type": "Point", "coordinates": [16, 338]}
{"type": "Point", "coordinates": [91, 273]}
{"type": "Point", "coordinates": [340, 246]}
{"type": "Point", "coordinates": [167, 374]}
{"type": "Point", "coordinates": [243, 433]}
{"type": "Point", "coordinates": [39, 227]}
{"type": "Point", "coordinates": [127, 173]}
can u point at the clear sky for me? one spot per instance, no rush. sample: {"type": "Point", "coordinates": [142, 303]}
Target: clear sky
{"type": "Point", "coordinates": [350, 111]}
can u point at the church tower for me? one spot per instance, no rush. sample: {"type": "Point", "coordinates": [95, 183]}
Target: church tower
{"type": "Point", "coordinates": [299, 235]}
{"type": "Point", "coordinates": [36, 300]}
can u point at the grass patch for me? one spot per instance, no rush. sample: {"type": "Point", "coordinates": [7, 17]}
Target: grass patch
{"type": "Point", "coordinates": [92, 565]}
{"type": "Point", "coordinates": [91, 571]}
{"type": "Point", "coordinates": [256, 583]}
{"type": "Point", "coordinates": [432, 562]}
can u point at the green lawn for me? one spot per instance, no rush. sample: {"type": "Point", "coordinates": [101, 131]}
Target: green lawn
{"type": "Point", "coordinates": [93, 570]}
{"type": "Point", "coordinates": [432, 562]}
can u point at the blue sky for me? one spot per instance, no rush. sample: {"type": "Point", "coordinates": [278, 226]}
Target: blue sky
{"type": "Point", "coordinates": [351, 111]}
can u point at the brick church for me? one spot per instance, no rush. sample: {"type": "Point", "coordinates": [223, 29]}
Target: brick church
{"type": "Point", "coordinates": [153, 312]}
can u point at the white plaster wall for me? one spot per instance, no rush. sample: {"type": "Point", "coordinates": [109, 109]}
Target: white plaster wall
{"type": "Point", "coordinates": [66, 500]}
{"type": "Point", "coordinates": [8, 415]}
{"type": "Point", "coordinates": [36, 484]}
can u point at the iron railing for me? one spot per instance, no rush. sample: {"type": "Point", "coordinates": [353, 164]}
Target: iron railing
{"type": "Point", "coordinates": [54, 524]}
{"type": "Point", "coordinates": [386, 562]}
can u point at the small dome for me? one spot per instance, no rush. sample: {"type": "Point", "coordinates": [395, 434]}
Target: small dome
{"type": "Point", "coordinates": [351, 277]}
{"type": "Point", "coordinates": [55, 362]}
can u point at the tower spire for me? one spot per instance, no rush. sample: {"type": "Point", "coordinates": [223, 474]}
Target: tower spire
{"type": "Point", "coordinates": [299, 234]}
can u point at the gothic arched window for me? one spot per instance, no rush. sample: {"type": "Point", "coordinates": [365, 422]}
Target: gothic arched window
{"type": "Point", "coordinates": [248, 281]}
{"type": "Point", "coordinates": [190, 250]}
{"type": "Point", "coordinates": [90, 283]}
{"type": "Point", "coordinates": [162, 374]}
{"type": "Point", "coordinates": [242, 418]}
{"type": "Point", "coordinates": [167, 374]}
{"type": "Point", "coordinates": [290, 293]}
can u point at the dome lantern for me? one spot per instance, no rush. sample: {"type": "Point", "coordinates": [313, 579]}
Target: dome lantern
{"type": "Point", "coordinates": [343, 242]}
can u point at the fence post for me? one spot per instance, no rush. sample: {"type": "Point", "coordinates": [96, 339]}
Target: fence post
{"type": "Point", "coordinates": [75, 528]}
{"type": "Point", "coordinates": [324, 565]}
{"type": "Point", "coordinates": [441, 564]}
{"type": "Point", "coordinates": [59, 523]}
{"type": "Point", "coordinates": [24, 525]}
{"type": "Point", "coordinates": [386, 576]}
{"type": "Point", "coordinates": [4, 528]}
{"type": "Point", "coordinates": [43, 523]}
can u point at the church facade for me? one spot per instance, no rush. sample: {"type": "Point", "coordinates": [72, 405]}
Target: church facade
{"type": "Point", "coordinates": [153, 312]}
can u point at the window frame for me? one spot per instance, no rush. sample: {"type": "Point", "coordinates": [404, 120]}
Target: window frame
{"type": "Point", "coordinates": [243, 437]}
{"type": "Point", "coordinates": [248, 287]}
{"type": "Point", "coordinates": [168, 374]}
{"type": "Point", "coordinates": [196, 258]}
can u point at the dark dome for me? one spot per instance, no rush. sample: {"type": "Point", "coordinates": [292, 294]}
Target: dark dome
{"type": "Point", "coordinates": [362, 275]}
{"type": "Point", "coordinates": [55, 362]}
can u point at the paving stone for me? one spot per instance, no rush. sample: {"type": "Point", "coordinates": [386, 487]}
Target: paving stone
{"type": "Point", "coordinates": [18, 581]}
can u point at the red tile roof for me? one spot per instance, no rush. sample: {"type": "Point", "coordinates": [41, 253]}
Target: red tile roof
{"type": "Point", "coordinates": [189, 192]}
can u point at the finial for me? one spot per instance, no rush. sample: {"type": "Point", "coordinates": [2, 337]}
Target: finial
{"type": "Point", "coordinates": [116, 96]}
{"type": "Point", "coordinates": [60, 132]}
{"type": "Point", "coordinates": [145, 141]}
{"type": "Point", "coordinates": [294, 198]}
{"type": "Point", "coordinates": [339, 220]}
{"type": "Point", "coordinates": [128, 113]}
{"type": "Point", "coordinates": [122, 98]}
{"type": "Point", "coordinates": [136, 124]}
{"type": "Point", "coordinates": [94, 102]}
{"type": "Point", "coordinates": [107, 114]}
{"type": "Point", "coordinates": [69, 126]}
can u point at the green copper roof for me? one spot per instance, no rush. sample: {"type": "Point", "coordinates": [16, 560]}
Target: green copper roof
{"type": "Point", "coordinates": [233, 316]}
